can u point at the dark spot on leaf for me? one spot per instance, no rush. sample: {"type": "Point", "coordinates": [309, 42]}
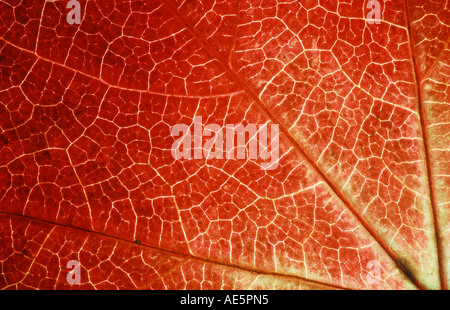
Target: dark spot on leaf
{"type": "Point", "coordinates": [4, 140]}
{"type": "Point", "coordinates": [26, 253]}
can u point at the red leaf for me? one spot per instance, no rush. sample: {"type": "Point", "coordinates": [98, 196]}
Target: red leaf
{"type": "Point", "coordinates": [359, 197]}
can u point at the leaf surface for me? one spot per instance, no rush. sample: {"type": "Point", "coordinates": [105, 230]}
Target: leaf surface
{"type": "Point", "coordinates": [87, 174]}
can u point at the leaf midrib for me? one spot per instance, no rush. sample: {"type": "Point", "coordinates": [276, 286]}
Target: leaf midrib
{"type": "Point", "coordinates": [419, 96]}
{"type": "Point", "coordinates": [186, 256]}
